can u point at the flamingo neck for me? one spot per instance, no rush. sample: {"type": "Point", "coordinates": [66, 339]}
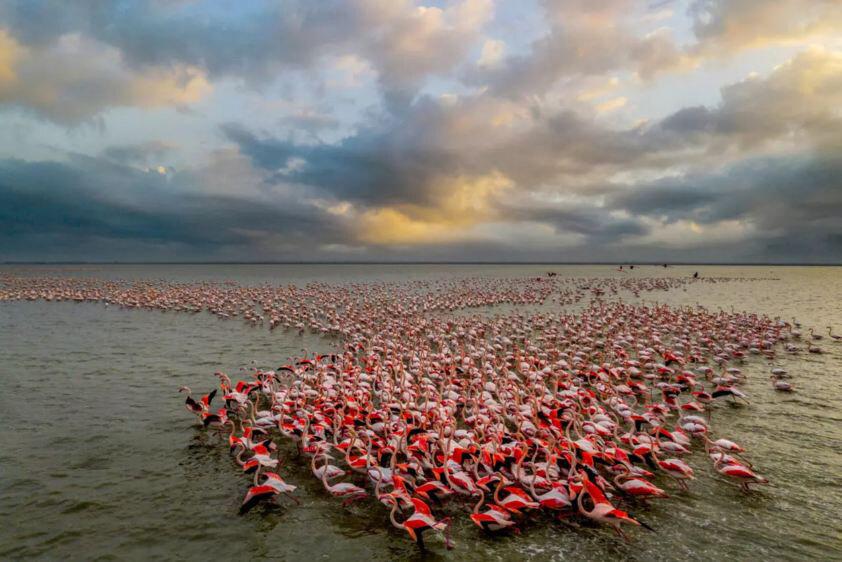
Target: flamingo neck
{"type": "Point", "coordinates": [392, 517]}
{"type": "Point", "coordinates": [497, 490]}
{"type": "Point", "coordinates": [481, 500]}
{"type": "Point", "coordinates": [581, 504]}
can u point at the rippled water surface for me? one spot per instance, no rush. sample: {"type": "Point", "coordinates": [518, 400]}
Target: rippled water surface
{"type": "Point", "coordinates": [98, 458]}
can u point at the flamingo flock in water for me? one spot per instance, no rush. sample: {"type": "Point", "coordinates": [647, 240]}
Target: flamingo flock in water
{"type": "Point", "coordinates": [507, 398]}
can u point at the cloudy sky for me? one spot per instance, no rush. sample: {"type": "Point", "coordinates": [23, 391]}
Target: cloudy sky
{"type": "Point", "coordinates": [512, 130]}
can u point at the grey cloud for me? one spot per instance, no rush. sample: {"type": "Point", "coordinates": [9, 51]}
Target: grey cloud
{"type": "Point", "coordinates": [150, 152]}
{"type": "Point", "coordinates": [310, 122]}
{"type": "Point", "coordinates": [566, 152]}
{"type": "Point", "coordinates": [726, 25]}
{"type": "Point", "coordinates": [398, 159]}
{"type": "Point", "coordinates": [800, 97]}
{"type": "Point", "coordinates": [398, 156]}
{"type": "Point", "coordinates": [245, 40]}
{"type": "Point", "coordinates": [584, 39]}
{"type": "Point", "coordinates": [568, 144]}
{"type": "Point", "coordinates": [562, 53]}
{"type": "Point", "coordinates": [257, 40]}
{"type": "Point", "coordinates": [74, 79]}
{"type": "Point", "coordinates": [596, 224]}
{"type": "Point", "coordinates": [664, 199]}
{"type": "Point", "coordinates": [390, 162]}
{"type": "Point", "coordinates": [690, 120]}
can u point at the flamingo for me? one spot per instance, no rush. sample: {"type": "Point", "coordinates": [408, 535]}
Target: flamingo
{"type": "Point", "coordinates": [345, 490]}
{"type": "Point", "coordinates": [678, 470]}
{"type": "Point", "coordinates": [602, 510]}
{"type": "Point", "coordinates": [200, 407]}
{"type": "Point", "coordinates": [556, 498]}
{"type": "Point", "coordinates": [493, 519]}
{"type": "Point", "coordinates": [421, 520]}
{"type": "Point", "coordinates": [255, 494]}
{"type": "Point", "coordinates": [739, 472]}
{"type": "Point", "coordinates": [781, 385]}
{"type": "Point", "coordinates": [516, 500]}
{"type": "Point", "coordinates": [637, 487]}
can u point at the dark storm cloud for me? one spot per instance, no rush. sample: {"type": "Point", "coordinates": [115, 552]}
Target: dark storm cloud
{"type": "Point", "coordinates": [423, 160]}
{"type": "Point", "coordinates": [595, 224]}
{"type": "Point", "coordinates": [664, 199]}
{"type": "Point", "coordinates": [388, 163]}
{"type": "Point", "coordinates": [398, 159]}
{"type": "Point", "coordinates": [690, 120]}
{"type": "Point", "coordinates": [792, 203]}
{"type": "Point", "coordinates": [143, 153]}
{"type": "Point", "coordinates": [569, 144]}
{"type": "Point", "coordinates": [87, 201]}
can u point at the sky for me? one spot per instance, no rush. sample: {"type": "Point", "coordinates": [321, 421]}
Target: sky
{"type": "Point", "coordinates": [395, 130]}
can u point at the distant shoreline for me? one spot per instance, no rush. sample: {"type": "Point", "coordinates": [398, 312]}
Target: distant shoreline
{"type": "Point", "coordinates": [505, 263]}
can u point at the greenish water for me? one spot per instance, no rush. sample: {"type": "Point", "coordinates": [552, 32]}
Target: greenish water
{"type": "Point", "coordinates": [99, 460]}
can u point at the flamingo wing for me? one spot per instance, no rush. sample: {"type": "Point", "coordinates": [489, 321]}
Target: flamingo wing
{"type": "Point", "coordinates": [255, 494]}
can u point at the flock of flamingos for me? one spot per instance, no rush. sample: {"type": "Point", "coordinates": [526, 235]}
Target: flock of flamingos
{"type": "Point", "coordinates": [512, 399]}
